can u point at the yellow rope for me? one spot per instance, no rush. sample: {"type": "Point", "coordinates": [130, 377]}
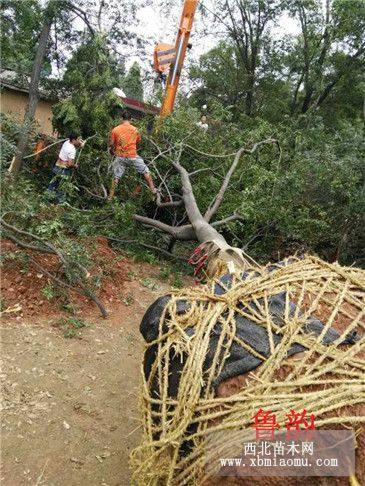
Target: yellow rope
{"type": "Point", "coordinates": [327, 381]}
{"type": "Point", "coordinates": [354, 481]}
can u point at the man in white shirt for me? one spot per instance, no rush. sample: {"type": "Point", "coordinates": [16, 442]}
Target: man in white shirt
{"type": "Point", "coordinates": [64, 165]}
{"type": "Point", "coordinates": [203, 123]}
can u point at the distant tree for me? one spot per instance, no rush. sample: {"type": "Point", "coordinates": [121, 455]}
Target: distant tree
{"type": "Point", "coordinates": [21, 24]}
{"type": "Point", "coordinates": [88, 100]}
{"type": "Point", "coordinates": [217, 76]}
{"type": "Point", "coordinates": [48, 17]}
{"type": "Point", "coordinates": [330, 48]}
{"type": "Point", "coordinates": [132, 84]}
{"type": "Point", "coordinates": [246, 24]}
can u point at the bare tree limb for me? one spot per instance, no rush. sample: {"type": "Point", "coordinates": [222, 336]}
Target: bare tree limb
{"type": "Point", "coordinates": [82, 15]}
{"type": "Point", "coordinates": [27, 246]}
{"type": "Point", "coordinates": [47, 244]}
{"type": "Point", "coordinates": [103, 188]}
{"type": "Point", "coordinates": [184, 233]}
{"type": "Point", "coordinates": [213, 208]}
{"type": "Point", "coordinates": [26, 233]}
{"type": "Point", "coordinates": [207, 154]}
{"type": "Point", "coordinates": [166, 228]}
{"type": "Point", "coordinates": [45, 148]}
{"type": "Point", "coordinates": [168, 204]}
{"type": "Point", "coordinates": [102, 3]}
{"type": "Point", "coordinates": [149, 247]}
{"type": "Point", "coordinates": [198, 171]}
{"type": "Point", "coordinates": [229, 219]}
{"type": "Point", "coordinates": [214, 244]}
{"type": "Point", "coordinates": [96, 196]}
{"type": "Point", "coordinates": [203, 230]}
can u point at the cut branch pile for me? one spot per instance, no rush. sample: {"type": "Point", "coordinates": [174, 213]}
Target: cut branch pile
{"type": "Point", "coordinates": [328, 381]}
{"type": "Point", "coordinates": [21, 239]}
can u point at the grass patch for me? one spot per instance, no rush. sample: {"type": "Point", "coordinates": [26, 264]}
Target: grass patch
{"type": "Point", "coordinates": [71, 326]}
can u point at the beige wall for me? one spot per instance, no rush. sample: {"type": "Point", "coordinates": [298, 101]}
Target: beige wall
{"type": "Point", "coordinates": [14, 102]}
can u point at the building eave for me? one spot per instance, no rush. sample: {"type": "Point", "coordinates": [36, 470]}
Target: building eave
{"type": "Point", "coordinates": [18, 89]}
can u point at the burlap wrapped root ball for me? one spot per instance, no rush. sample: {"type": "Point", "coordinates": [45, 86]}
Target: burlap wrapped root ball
{"type": "Point", "coordinates": [287, 336]}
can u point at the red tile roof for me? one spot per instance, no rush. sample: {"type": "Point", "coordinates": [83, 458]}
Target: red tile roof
{"type": "Point", "coordinates": [140, 106]}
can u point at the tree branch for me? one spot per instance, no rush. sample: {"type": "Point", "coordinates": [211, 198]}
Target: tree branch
{"type": "Point", "coordinates": [82, 15]}
{"type": "Point", "coordinates": [45, 148]}
{"type": "Point", "coordinates": [200, 228]}
{"type": "Point", "coordinates": [149, 247]}
{"type": "Point", "coordinates": [229, 219]}
{"type": "Point", "coordinates": [27, 246]}
{"type": "Point", "coordinates": [213, 208]}
{"type": "Point", "coordinates": [49, 248]}
{"type": "Point", "coordinates": [96, 196]}
{"type": "Point", "coordinates": [168, 204]}
{"type": "Point", "coordinates": [159, 225]}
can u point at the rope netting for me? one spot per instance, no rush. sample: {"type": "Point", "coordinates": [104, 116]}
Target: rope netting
{"type": "Point", "coordinates": [327, 380]}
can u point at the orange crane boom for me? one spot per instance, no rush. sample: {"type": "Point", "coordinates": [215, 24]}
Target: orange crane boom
{"type": "Point", "coordinates": [181, 44]}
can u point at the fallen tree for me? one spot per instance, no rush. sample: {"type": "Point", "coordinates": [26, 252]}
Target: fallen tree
{"type": "Point", "coordinates": [218, 353]}
{"type": "Point", "coordinates": [201, 227]}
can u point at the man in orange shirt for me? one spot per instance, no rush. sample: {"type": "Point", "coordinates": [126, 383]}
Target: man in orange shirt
{"type": "Point", "coordinates": [123, 145]}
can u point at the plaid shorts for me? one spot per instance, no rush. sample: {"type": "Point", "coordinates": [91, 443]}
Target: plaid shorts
{"type": "Point", "coordinates": [120, 163]}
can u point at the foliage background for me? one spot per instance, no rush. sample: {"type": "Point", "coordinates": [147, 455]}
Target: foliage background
{"type": "Point", "coordinates": [307, 197]}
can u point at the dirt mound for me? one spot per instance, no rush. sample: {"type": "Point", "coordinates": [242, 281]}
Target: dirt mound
{"type": "Point", "coordinates": [26, 290]}
{"type": "Point", "coordinates": [22, 285]}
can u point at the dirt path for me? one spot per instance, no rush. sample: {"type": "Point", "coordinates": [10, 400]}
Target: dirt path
{"type": "Point", "coordinates": [71, 405]}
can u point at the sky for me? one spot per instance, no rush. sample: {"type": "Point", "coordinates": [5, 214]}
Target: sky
{"type": "Point", "coordinates": [159, 21]}
{"type": "Point", "coordinates": [161, 25]}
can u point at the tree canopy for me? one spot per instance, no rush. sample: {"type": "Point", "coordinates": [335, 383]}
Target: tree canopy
{"type": "Point", "coordinates": [132, 83]}
{"type": "Point", "coordinates": [303, 89]}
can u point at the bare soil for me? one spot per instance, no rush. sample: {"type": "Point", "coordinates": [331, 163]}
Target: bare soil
{"type": "Point", "coordinates": [70, 405]}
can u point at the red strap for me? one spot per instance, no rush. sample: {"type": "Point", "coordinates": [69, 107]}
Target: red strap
{"type": "Point", "coordinates": [198, 260]}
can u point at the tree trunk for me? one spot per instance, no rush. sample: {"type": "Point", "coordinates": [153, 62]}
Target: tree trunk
{"type": "Point", "coordinates": [203, 230]}
{"type": "Point", "coordinates": [33, 88]}
{"type": "Point", "coordinates": [212, 243]}
{"type": "Point", "coordinates": [248, 102]}
{"type": "Point", "coordinates": [251, 78]}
